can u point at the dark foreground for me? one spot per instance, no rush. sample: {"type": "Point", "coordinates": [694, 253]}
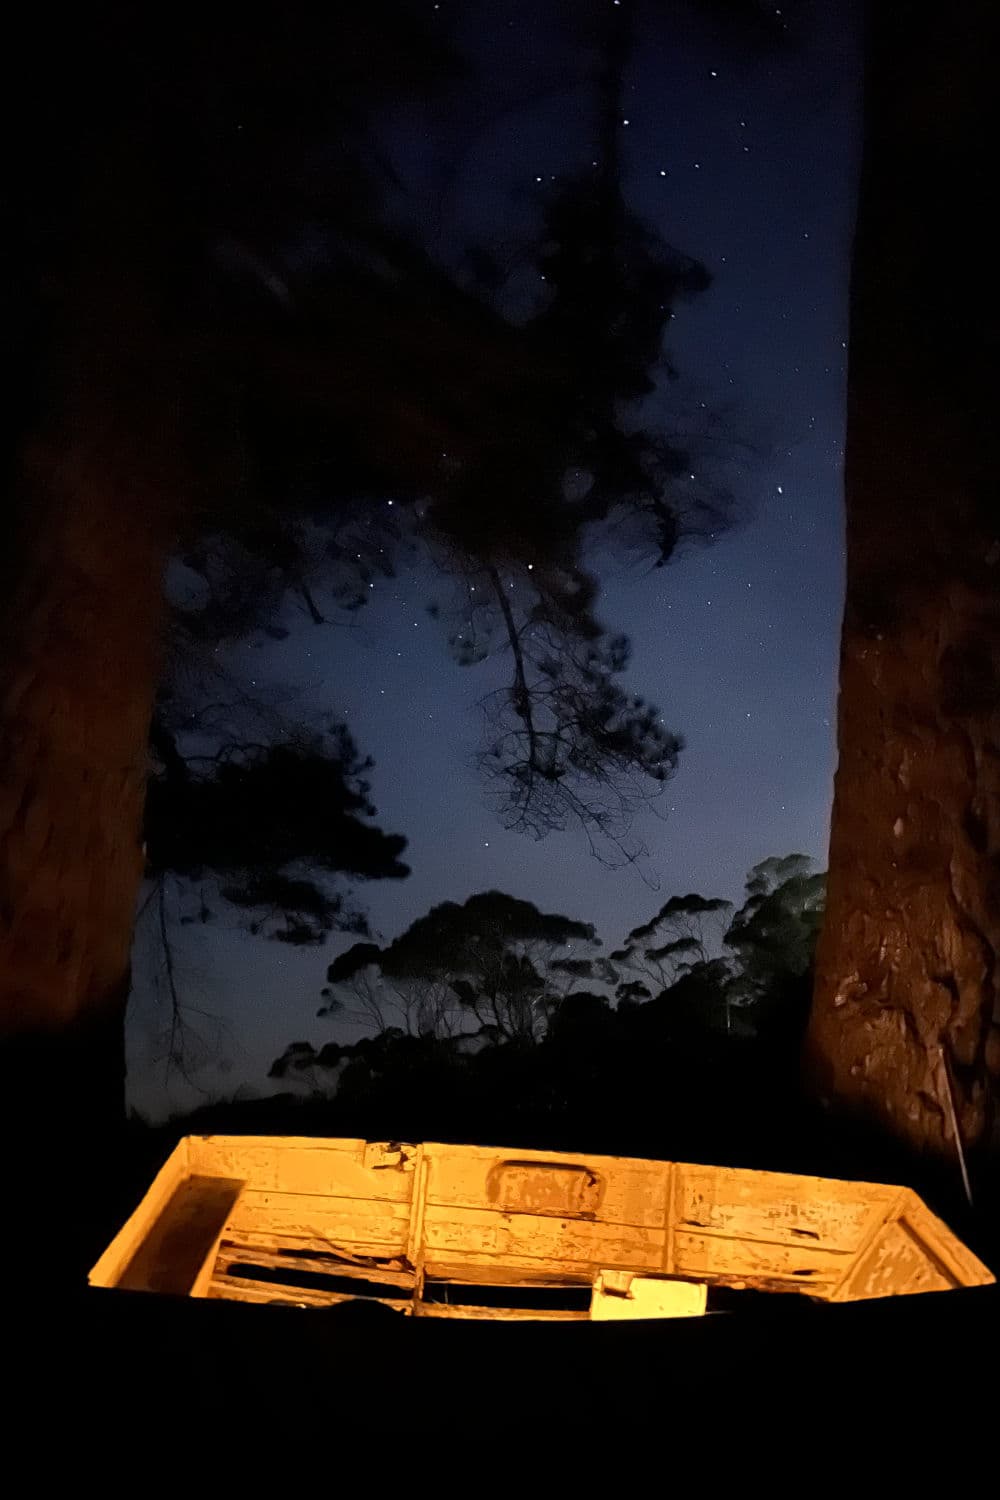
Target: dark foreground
{"type": "Point", "coordinates": [140, 1394]}
{"type": "Point", "coordinates": [905, 1382]}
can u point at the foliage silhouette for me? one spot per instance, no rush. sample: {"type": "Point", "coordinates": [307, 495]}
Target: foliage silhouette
{"type": "Point", "coordinates": [266, 824]}
{"type": "Point", "coordinates": [706, 1059]}
{"type": "Point", "coordinates": [492, 967]}
{"type": "Point", "coordinates": [501, 477]}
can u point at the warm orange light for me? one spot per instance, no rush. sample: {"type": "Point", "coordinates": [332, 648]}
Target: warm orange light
{"type": "Point", "coordinates": [464, 1231]}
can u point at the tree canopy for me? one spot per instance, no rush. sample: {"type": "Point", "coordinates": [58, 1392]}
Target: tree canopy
{"type": "Point", "coordinates": [268, 825]}
{"type": "Point", "coordinates": [363, 404]}
{"type": "Point", "coordinates": [480, 1016]}
{"type": "Point", "coordinates": [493, 967]}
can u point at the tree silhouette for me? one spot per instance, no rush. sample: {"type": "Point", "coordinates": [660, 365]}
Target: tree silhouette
{"type": "Point", "coordinates": [268, 825]}
{"type": "Point", "coordinates": [775, 932]}
{"type": "Point", "coordinates": [201, 390]}
{"type": "Point", "coordinates": [493, 967]}
{"type": "Point", "coordinates": [679, 936]}
{"type": "Point", "coordinates": [482, 1022]}
{"type": "Point", "coordinates": [687, 955]}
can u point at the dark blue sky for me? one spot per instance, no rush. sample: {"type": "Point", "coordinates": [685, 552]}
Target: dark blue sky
{"type": "Point", "coordinates": [747, 161]}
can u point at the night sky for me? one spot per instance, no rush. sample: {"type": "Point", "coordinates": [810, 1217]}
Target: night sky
{"type": "Point", "coordinates": [748, 162]}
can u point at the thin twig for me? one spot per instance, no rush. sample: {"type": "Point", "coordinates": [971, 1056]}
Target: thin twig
{"type": "Point", "coordinates": [950, 1098]}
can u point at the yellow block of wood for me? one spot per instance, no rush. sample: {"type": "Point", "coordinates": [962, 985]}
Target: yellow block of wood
{"type": "Point", "coordinates": [619, 1296]}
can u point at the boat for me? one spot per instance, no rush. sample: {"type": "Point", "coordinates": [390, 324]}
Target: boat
{"type": "Point", "coordinates": [469, 1232]}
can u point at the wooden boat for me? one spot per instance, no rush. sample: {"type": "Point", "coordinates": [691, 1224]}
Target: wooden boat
{"type": "Point", "coordinates": [469, 1232]}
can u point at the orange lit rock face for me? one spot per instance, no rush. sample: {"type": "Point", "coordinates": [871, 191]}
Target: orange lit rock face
{"type": "Point", "coordinates": [466, 1232]}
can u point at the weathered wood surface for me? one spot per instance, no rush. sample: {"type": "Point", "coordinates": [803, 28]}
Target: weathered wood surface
{"type": "Point", "coordinates": [109, 1269]}
{"type": "Point", "coordinates": [391, 1214]}
{"type": "Point", "coordinates": [231, 1254]}
{"type": "Point", "coordinates": [179, 1250]}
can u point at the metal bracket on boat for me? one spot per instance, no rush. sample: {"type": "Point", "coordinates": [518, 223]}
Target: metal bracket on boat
{"type": "Point", "coordinates": [390, 1154]}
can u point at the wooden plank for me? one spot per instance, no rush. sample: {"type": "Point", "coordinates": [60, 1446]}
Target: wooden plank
{"type": "Point", "coordinates": [352, 1145]}
{"type": "Point", "coordinates": [309, 1171]}
{"type": "Point", "coordinates": [418, 1209]}
{"type": "Point", "coordinates": [229, 1290]}
{"type": "Point", "coordinates": [669, 1258]}
{"type": "Point", "coordinates": [874, 1230]}
{"type": "Point", "coordinates": [183, 1239]}
{"type": "Point", "coordinates": [232, 1254]}
{"type": "Point", "coordinates": [466, 1236]}
{"type": "Point", "coordinates": [965, 1268]}
{"type": "Point", "coordinates": [616, 1190]}
{"type": "Point", "coordinates": [779, 1207]}
{"type": "Point", "coordinates": [302, 1165]}
{"type": "Point", "coordinates": [442, 1150]}
{"type": "Point", "coordinates": [252, 1241]}
{"type": "Point", "coordinates": [255, 1164]}
{"type": "Point", "coordinates": [243, 1289]}
{"type": "Point", "coordinates": [896, 1263]}
{"type": "Point", "coordinates": [713, 1257]}
{"type": "Point", "coordinates": [126, 1243]}
{"type": "Point", "coordinates": [376, 1227]}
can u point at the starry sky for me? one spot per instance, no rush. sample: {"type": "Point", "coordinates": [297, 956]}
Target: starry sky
{"type": "Point", "coordinates": [747, 160]}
